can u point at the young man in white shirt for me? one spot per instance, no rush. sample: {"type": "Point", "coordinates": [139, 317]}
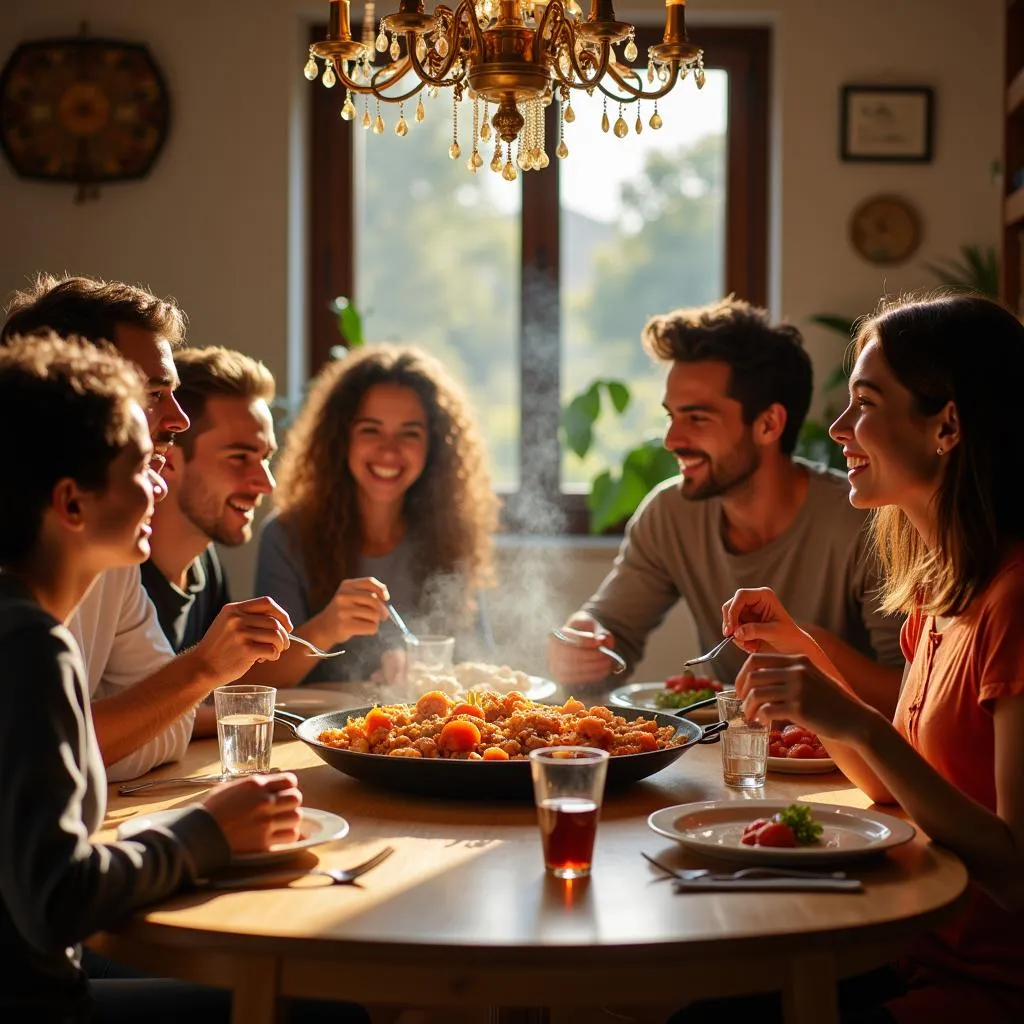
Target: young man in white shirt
{"type": "Point", "coordinates": [144, 698]}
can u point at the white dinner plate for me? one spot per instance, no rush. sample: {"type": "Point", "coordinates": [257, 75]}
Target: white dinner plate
{"type": "Point", "coordinates": [801, 765]}
{"type": "Point", "coordinates": [540, 688]}
{"type": "Point", "coordinates": [714, 829]}
{"type": "Point", "coordinates": [317, 827]}
{"type": "Point", "coordinates": [641, 695]}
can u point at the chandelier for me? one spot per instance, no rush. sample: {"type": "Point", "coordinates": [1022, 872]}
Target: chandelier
{"type": "Point", "coordinates": [516, 56]}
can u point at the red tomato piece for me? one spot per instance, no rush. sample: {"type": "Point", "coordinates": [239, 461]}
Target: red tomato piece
{"type": "Point", "coordinates": [756, 824]}
{"type": "Point", "coordinates": [802, 750]}
{"type": "Point", "coordinates": [795, 734]}
{"type": "Point", "coordinates": [778, 750]}
{"type": "Point", "coordinates": [776, 834]}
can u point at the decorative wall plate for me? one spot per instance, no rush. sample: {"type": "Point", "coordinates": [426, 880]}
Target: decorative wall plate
{"type": "Point", "coordinates": [82, 110]}
{"type": "Point", "coordinates": [885, 229]}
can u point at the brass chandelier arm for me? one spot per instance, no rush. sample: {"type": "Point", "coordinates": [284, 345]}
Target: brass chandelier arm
{"type": "Point", "coordinates": [639, 94]}
{"type": "Point", "coordinates": [584, 82]}
{"type": "Point", "coordinates": [450, 22]}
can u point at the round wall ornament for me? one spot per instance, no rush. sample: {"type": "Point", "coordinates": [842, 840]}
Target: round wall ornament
{"type": "Point", "coordinates": [82, 110]}
{"type": "Point", "coordinates": [885, 229]}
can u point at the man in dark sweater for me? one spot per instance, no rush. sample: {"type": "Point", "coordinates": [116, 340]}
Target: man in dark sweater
{"type": "Point", "coordinates": [82, 505]}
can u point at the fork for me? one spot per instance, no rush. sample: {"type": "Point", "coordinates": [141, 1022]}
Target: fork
{"type": "Point", "coordinates": [618, 662]}
{"type": "Point", "coordinates": [711, 655]}
{"type": "Point", "coordinates": [692, 874]}
{"type": "Point", "coordinates": [314, 651]}
{"type": "Point", "coordinates": [337, 876]}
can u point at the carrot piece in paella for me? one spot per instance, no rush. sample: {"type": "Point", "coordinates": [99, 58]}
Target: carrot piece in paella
{"type": "Point", "coordinates": [495, 754]}
{"type": "Point", "coordinates": [466, 709]}
{"type": "Point", "coordinates": [458, 736]}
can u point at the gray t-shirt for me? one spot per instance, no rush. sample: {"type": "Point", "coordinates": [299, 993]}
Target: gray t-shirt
{"type": "Point", "coordinates": [823, 568]}
{"type": "Point", "coordinates": [433, 608]}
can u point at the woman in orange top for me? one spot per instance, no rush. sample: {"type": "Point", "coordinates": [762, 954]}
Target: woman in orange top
{"type": "Point", "coordinates": [931, 441]}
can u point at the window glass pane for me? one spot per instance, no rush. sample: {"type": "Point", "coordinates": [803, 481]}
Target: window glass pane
{"type": "Point", "coordinates": [437, 258]}
{"type": "Point", "coordinates": [642, 232]}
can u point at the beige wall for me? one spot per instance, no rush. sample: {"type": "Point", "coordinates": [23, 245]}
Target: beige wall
{"type": "Point", "coordinates": [220, 222]}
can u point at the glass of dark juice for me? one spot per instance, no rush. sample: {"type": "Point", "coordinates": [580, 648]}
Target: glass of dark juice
{"type": "Point", "coordinates": [568, 785]}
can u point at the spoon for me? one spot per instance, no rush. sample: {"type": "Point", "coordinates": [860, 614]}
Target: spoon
{"type": "Point", "coordinates": [397, 619]}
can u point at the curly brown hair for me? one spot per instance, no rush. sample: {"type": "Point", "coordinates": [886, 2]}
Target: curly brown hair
{"type": "Point", "coordinates": [450, 511]}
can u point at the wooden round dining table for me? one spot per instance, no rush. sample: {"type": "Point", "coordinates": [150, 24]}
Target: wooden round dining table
{"type": "Point", "coordinates": [463, 914]}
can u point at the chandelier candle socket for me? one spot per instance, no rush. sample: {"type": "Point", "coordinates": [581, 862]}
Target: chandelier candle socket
{"type": "Point", "coordinates": [516, 56]}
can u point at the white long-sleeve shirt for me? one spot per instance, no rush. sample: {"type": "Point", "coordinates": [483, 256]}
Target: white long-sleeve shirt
{"type": "Point", "coordinates": [118, 632]}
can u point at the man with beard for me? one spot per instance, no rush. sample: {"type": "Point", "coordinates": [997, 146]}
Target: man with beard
{"type": "Point", "coordinates": [216, 476]}
{"type": "Point", "coordinates": [143, 698]}
{"type": "Point", "coordinates": [743, 513]}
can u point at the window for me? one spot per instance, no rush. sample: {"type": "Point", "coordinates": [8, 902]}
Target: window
{"type": "Point", "coordinates": [532, 289]}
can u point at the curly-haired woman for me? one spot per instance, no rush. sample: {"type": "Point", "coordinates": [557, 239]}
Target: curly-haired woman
{"type": "Point", "coordinates": [383, 490]}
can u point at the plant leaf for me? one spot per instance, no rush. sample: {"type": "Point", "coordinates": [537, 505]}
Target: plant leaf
{"type": "Point", "coordinates": [842, 324]}
{"type": "Point", "coordinates": [619, 393]}
{"type": "Point", "coordinates": [578, 422]}
{"type": "Point", "coordinates": [838, 376]}
{"type": "Point", "coordinates": [350, 323]}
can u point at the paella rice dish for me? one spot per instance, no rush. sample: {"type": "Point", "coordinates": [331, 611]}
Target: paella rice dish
{"type": "Point", "coordinates": [494, 727]}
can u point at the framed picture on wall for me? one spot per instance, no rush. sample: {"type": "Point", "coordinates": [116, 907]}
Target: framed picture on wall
{"type": "Point", "coordinates": [886, 123]}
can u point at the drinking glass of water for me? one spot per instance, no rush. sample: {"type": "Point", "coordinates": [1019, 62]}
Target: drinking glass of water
{"type": "Point", "coordinates": [744, 744]}
{"type": "Point", "coordinates": [568, 786]}
{"type": "Point", "coordinates": [245, 727]}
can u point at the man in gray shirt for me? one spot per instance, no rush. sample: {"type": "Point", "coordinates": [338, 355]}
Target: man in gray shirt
{"type": "Point", "coordinates": [743, 513]}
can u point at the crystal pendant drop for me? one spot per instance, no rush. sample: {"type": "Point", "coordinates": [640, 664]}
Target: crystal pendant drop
{"type": "Point", "coordinates": [656, 121]}
{"type": "Point", "coordinates": [366, 119]}
{"type": "Point", "coordinates": [455, 151]}
{"type": "Point", "coordinates": [485, 131]}
{"type": "Point", "coordinates": [421, 48]}
{"type": "Point", "coordinates": [348, 108]}
{"type": "Point", "coordinates": [621, 129]}
{"type": "Point", "coordinates": [395, 51]}
{"type": "Point", "coordinates": [563, 150]}
{"type": "Point", "coordinates": [544, 160]}
{"type": "Point", "coordinates": [509, 173]}
{"type": "Point", "coordinates": [381, 42]}
{"type": "Point", "coordinates": [630, 51]}
{"type": "Point", "coordinates": [570, 115]}
{"type": "Point", "coordinates": [378, 125]}
{"type": "Point", "coordinates": [605, 123]}
{"type": "Point", "coordinates": [650, 72]}
{"type": "Point", "coordinates": [496, 160]}
{"type": "Point", "coordinates": [420, 112]}
{"type": "Point", "coordinates": [476, 160]}
{"type": "Point", "coordinates": [441, 47]}
{"type": "Point", "coordinates": [402, 128]}
{"type": "Point", "coordinates": [523, 159]}
{"type": "Point", "coordinates": [639, 126]}
{"type": "Point", "coordinates": [698, 77]}
{"type": "Point", "coordinates": [328, 78]}
{"type": "Point", "coordinates": [663, 74]}
{"type": "Point", "coordinates": [311, 70]}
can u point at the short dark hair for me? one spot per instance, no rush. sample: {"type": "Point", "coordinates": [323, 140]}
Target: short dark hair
{"type": "Point", "coordinates": [768, 364]}
{"type": "Point", "coordinates": [74, 398]}
{"type": "Point", "coordinates": [216, 372]}
{"type": "Point", "coordinates": [89, 309]}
